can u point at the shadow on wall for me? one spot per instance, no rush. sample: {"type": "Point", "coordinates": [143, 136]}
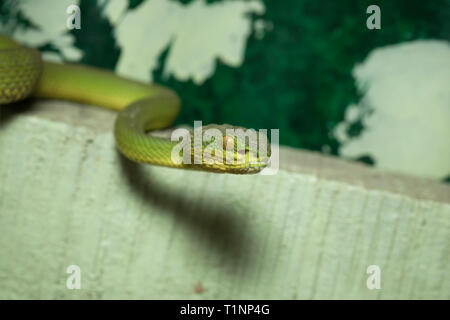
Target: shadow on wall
{"type": "Point", "coordinates": [221, 222]}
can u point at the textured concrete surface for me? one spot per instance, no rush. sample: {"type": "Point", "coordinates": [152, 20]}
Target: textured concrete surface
{"type": "Point", "coordinates": [67, 197]}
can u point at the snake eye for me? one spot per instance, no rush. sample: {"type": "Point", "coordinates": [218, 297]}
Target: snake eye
{"type": "Point", "coordinates": [228, 143]}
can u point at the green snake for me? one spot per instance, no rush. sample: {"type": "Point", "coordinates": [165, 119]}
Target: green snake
{"type": "Point", "coordinates": [142, 107]}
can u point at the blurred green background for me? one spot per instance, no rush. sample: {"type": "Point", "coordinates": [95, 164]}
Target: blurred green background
{"type": "Point", "coordinates": [296, 78]}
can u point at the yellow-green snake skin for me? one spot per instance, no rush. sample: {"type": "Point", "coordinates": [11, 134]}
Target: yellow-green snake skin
{"type": "Point", "coordinates": [142, 107]}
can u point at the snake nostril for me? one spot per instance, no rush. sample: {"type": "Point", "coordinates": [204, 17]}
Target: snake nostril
{"type": "Point", "coordinates": [242, 151]}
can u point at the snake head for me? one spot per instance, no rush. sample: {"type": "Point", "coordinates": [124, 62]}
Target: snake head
{"type": "Point", "coordinates": [231, 149]}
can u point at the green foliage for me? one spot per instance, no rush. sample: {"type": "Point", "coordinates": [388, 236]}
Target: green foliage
{"type": "Point", "coordinates": [296, 78]}
{"type": "Point", "coordinates": [96, 37]}
{"type": "Point", "coordinates": [12, 19]}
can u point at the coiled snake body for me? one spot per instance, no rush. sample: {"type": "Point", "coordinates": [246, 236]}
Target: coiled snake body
{"type": "Point", "coordinates": [142, 107]}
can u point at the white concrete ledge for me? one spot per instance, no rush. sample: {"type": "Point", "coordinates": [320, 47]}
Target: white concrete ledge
{"type": "Point", "coordinates": [311, 231]}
